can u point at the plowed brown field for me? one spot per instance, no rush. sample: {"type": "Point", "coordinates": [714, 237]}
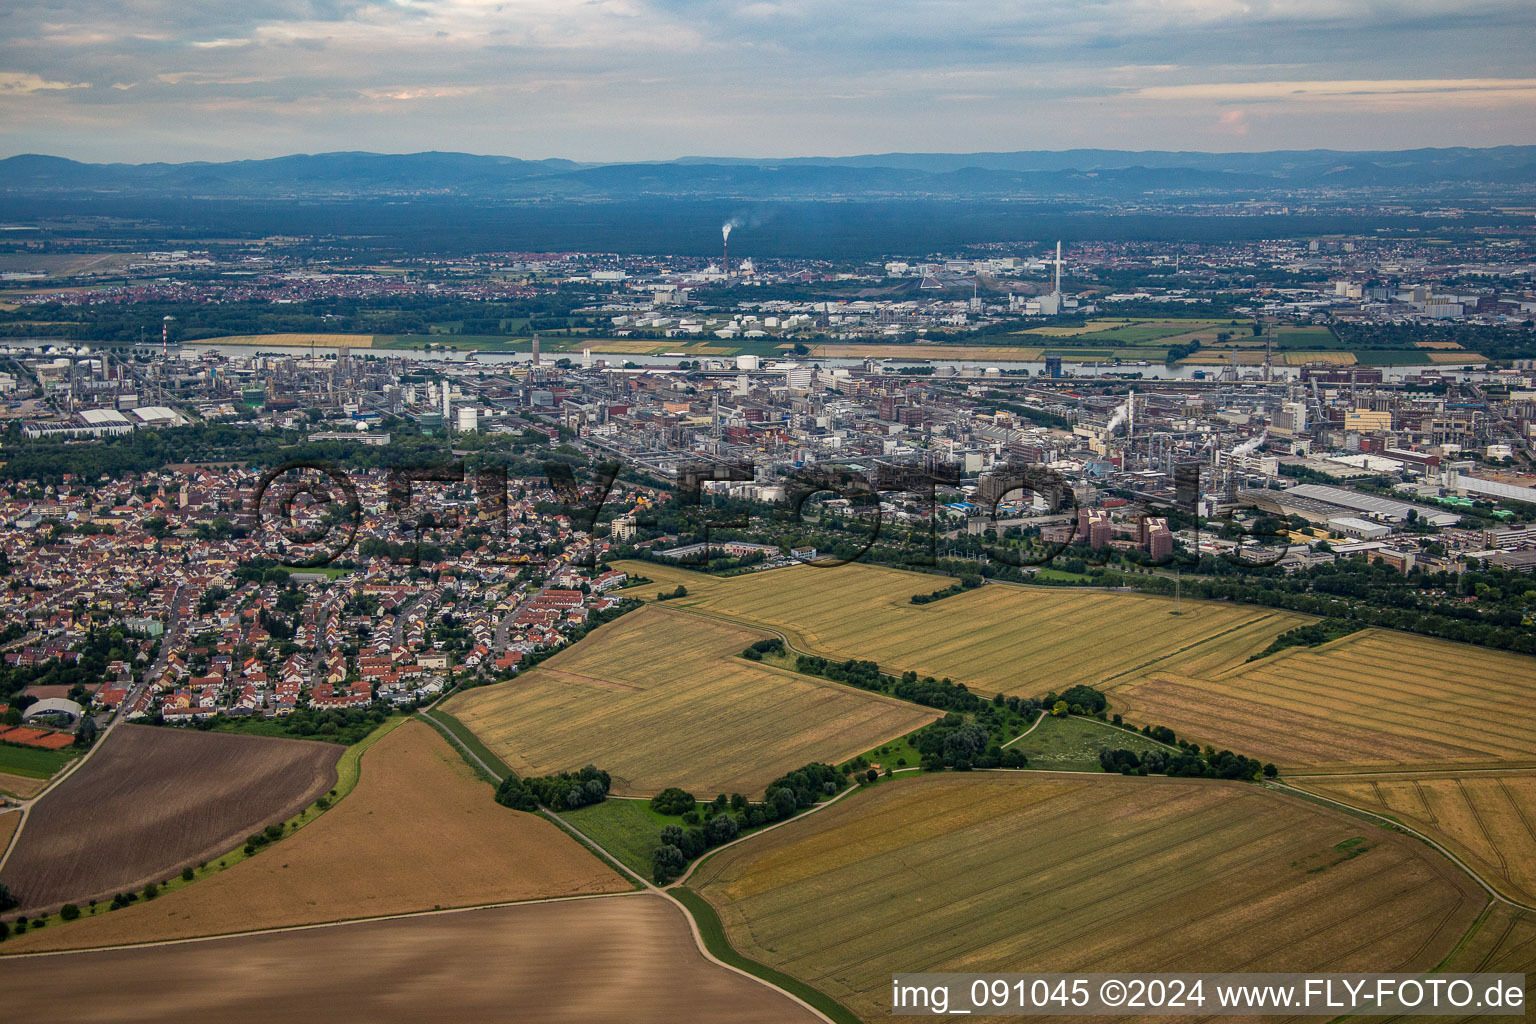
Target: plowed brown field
{"type": "Point", "coordinates": [154, 800]}
{"type": "Point", "coordinates": [419, 831]}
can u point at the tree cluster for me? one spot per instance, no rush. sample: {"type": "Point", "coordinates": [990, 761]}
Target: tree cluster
{"type": "Point", "coordinates": [723, 820]}
{"type": "Point", "coordinates": [956, 742]}
{"type": "Point", "coordinates": [563, 792]}
{"type": "Point", "coordinates": [966, 583]}
{"type": "Point", "coordinates": [773, 645]}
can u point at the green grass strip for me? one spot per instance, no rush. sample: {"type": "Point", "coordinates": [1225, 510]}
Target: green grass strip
{"type": "Point", "coordinates": [713, 933]}
{"type": "Point", "coordinates": [462, 733]}
{"type": "Point", "coordinates": [591, 847]}
{"type": "Point", "coordinates": [35, 762]}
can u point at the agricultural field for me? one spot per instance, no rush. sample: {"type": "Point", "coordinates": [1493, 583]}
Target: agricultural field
{"type": "Point", "coordinates": [1028, 872]}
{"type": "Point", "coordinates": [1072, 744]}
{"type": "Point", "coordinates": [627, 829]}
{"type": "Point", "coordinates": [1504, 942]}
{"type": "Point", "coordinates": [22, 786]}
{"type": "Point", "coordinates": [1306, 338]}
{"type": "Point", "coordinates": [1488, 819]}
{"type": "Point", "coordinates": [1404, 357]}
{"type": "Point", "coordinates": [36, 763]}
{"type": "Point", "coordinates": [623, 960]}
{"type": "Point", "coordinates": [1126, 332]}
{"type": "Point", "coordinates": [290, 340]}
{"type": "Point", "coordinates": [419, 832]}
{"type": "Point", "coordinates": [1374, 700]}
{"type": "Point", "coordinates": [154, 800]}
{"type": "Point", "coordinates": [8, 822]}
{"type": "Point", "coordinates": [661, 698]}
{"type": "Point", "coordinates": [1333, 358]}
{"type": "Point", "coordinates": [1013, 639]}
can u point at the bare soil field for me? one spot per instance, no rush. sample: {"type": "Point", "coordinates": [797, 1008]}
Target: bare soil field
{"type": "Point", "coordinates": [1026, 872]}
{"type": "Point", "coordinates": [1488, 819]}
{"type": "Point", "coordinates": [661, 698]}
{"type": "Point", "coordinates": [420, 831]}
{"type": "Point", "coordinates": [624, 960]}
{"type": "Point", "coordinates": [8, 822]}
{"type": "Point", "coordinates": [1374, 700]}
{"type": "Point", "coordinates": [154, 800]}
{"type": "Point", "coordinates": [1021, 640]}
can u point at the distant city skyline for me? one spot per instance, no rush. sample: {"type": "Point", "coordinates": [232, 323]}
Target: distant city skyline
{"type": "Point", "coordinates": [618, 80]}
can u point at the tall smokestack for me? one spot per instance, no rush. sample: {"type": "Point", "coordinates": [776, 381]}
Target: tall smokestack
{"type": "Point", "coordinates": [1058, 267]}
{"type": "Point", "coordinates": [1130, 425]}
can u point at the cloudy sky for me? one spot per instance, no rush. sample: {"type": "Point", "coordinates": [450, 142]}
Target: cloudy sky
{"type": "Point", "coordinates": [176, 80]}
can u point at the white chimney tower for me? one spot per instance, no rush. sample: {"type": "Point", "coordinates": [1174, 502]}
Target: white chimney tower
{"type": "Point", "coordinates": [1058, 268]}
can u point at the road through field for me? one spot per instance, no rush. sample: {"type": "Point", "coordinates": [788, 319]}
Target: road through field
{"type": "Point", "coordinates": [1497, 893]}
{"type": "Point", "coordinates": [646, 884]}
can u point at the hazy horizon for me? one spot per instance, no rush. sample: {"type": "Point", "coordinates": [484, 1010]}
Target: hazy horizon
{"type": "Point", "coordinates": [750, 157]}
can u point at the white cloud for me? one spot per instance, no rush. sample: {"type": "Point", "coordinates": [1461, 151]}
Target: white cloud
{"type": "Point", "coordinates": [19, 83]}
{"type": "Point", "coordinates": [1250, 91]}
{"type": "Point", "coordinates": [618, 79]}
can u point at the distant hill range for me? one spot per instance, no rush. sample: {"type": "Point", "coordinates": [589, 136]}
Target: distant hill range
{"type": "Point", "coordinates": [1082, 174]}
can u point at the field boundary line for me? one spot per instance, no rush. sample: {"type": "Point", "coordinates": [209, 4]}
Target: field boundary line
{"type": "Point", "coordinates": [685, 898]}
{"type": "Point", "coordinates": [647, 886]}
{"type": "Point", "coordinates": [349, 773]}
{"type": "Point", "coordinates": [646, 883]}
{"type": "Point", "coordinates": [1198, 643]}
{"type": "Point", "coordinates": [339, 923]}
{"type": "Point", "coordinates": [1381, 819]}
{"type": "Point", "coordinates": [1518, 766]}
{"type": "Point", "coordinates": [452, 736]}
{"type": "Point", "coordinates": [637, 883]}
{"type": "Point", "coordinates": [710, 854]}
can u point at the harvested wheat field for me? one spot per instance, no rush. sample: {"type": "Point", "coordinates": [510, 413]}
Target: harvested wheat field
{"type": "Point", "coordinates": [420, 831]}
{"type": "Point", "coordinates": [1021, 640]}
{"type": "Point", "coordinates": [1504, 942]}
{"type": "Point", "coordinates": [1332, 357]}
{"type": "Point", "coordinates": [1488, 819]}
{"type": "Point", "coordinates": [662, 698]}
{"type": "Point", "coordinates": [20, 785]}
{"type": "Point", "coordinates": [154, 800]}
{"type": "Point", "coordinates": [1021, 872]}
{"type": "Point", "coordinates": [1374, 700]}
{"type": "Point", "coordinates": [622, 960]}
